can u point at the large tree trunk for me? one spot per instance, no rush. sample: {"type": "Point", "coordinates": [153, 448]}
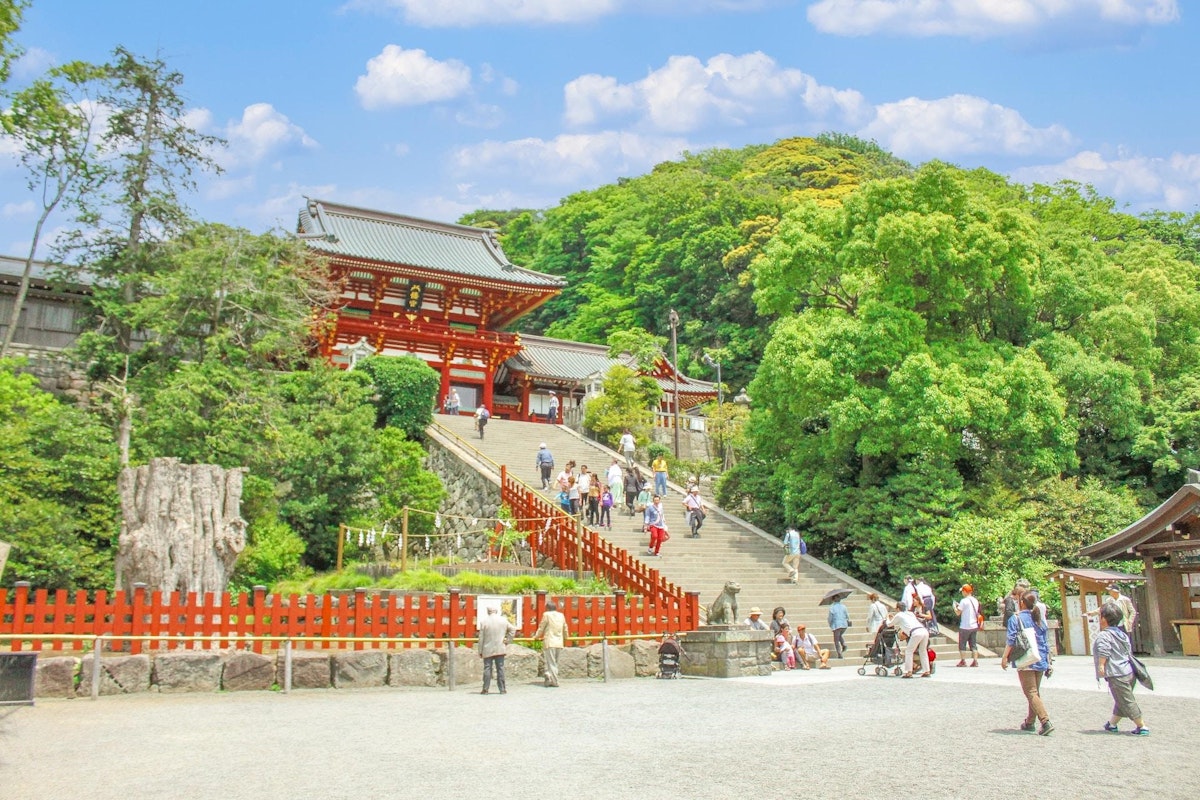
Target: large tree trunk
{"type": "Point", "coordinates": [181, 527]}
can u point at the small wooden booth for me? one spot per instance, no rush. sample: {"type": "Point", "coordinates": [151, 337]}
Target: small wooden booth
{"type": "Point", "coordinates": [1081, 591]}
{"type": "Point", "coordinates": [1167, 540]}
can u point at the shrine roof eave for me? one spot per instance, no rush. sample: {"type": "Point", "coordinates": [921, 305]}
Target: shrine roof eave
{"type": "Point", "coordinates": [449, 277]}
{"type": "Point", "coordinates": [1095, 578]}
{"type": "Point", "coordinates": [1156, 525]}
{"type": "Point", "coordinates": [341, 231]}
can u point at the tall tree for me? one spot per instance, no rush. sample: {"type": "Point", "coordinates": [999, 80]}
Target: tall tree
{"type": "Point", "coordinates": [53, 122]}
{"type": "Point", "coordinates": [155, 152]}
{"type": "Point", "coordinates": [11, 12]}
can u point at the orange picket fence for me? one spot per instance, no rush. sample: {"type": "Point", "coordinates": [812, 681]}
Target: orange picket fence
{"type": "Point", "coordinates": [144, 620]}
{"type": "Point", "coordinates": [645, 603]}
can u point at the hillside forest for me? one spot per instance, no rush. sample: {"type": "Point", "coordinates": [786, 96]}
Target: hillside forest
{"type": "Point", "coordinates": [950, 374]}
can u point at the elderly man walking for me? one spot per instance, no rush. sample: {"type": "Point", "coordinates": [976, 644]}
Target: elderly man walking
{"type": "Point", "coordinates": [552, 630]}
{"type": "Point", "coordinates": [495, 632]}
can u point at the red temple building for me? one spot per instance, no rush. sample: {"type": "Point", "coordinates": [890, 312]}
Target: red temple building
{"type": "Point", "coordinates": [444, 293]}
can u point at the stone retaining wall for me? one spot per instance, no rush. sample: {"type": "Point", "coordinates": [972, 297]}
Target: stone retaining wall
{"type": "Point", "coordinates": [242, 670]}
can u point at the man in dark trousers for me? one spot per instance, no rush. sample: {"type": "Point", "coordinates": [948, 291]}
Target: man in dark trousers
{"type": "Point", "coordinates": [495, 632]}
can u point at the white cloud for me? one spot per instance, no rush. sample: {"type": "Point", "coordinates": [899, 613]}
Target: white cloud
{"type": "Point", "coordinates": [726, 91]}
{"type": "Point", "coordinates": [17, 209]}
{"type": "Point", "coordinates": [260, 132]}
{"type": "Point", "coordinates": [982, 18]}
{"type": "Point", "coordinates": [399, 77]}
{"type": "Point", "coordinates": [1170, 183]}
{"type": "Point", "coordinates": [280, 209]}
{"type": "Point", "coordinates": [466, 13]}
{"type": "Point", "coordinates": [569, 159]}
{"type": "Point", "coordinates": [33, 63]}
{"type": "Point", "coordinates": [959, 125]}
{"type": "Point", "coordinates": [506, 85]}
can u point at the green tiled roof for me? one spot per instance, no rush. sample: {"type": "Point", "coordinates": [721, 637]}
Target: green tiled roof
{"type": "Point", "coordinates": [559, 359]}
{"type": "Point", "coordinates": [542, 357]}
{"type": "Point", "coordinates": [339, 230]}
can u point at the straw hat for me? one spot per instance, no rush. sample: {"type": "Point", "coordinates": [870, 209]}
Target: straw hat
{"type": "Point", "coordinates": [755, 611]}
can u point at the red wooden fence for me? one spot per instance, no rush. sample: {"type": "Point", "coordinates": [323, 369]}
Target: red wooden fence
{"type": "Point", "coordinates": [561, 541]}
{"type": "Point", "coordinates": [32, 617]}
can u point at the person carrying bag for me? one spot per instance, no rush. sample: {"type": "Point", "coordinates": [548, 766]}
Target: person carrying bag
{"type": "Point", "coordinates": [1026, 645]}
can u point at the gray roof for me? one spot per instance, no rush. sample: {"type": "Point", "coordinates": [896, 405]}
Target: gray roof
{"type": "Point", "coordinates": [559, 359]}
{"type": "Point", "coordinates": [543, 357]}
{"type": "Point", "coordinates": [13, 267]}
{"type": "Point", "coordinates": [461, 250]}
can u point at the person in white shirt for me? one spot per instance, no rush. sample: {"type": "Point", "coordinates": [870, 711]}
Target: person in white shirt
{"type": "Point", "coordinates": [916, 635]}
{"type": "Point", "coordinates": [968, 626]}
{"type": "Point", "coordinates": [655, 523]}
{"type": "Point", "coordinates": [628, 447]}
{"type": "Point", "coordinates": [695, 510]}
{"type": "Point", "coordinates": [808, 652]}
{"type": "Point", "coordinates": [909, 593]}
{"type": "Point", "coordinates": [876, 614]}
{"type": "Point", "coordinates": [925, 593]}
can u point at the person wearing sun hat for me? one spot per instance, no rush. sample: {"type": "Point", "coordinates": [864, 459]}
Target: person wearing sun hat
{"type": "Point", "coordinates": [969, 615]}
{"type": "Point", "coordinates": [754, 622]}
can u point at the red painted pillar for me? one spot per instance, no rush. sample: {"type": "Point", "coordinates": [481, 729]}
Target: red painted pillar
{"type": "Point", "coordinates": [444, 389]}
{"type": "Point", "coordinates": [488, 387]}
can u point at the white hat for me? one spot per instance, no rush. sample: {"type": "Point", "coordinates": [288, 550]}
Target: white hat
{"type": "Point", "coordinates": [542, 446]}
{"type": "Point", "coordinates": [552, 393]}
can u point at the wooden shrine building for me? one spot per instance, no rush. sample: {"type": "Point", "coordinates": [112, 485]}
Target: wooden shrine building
{"type": "Point", "coordinates": [444, 293]}
{"type": "Point", "coordinates": [1167, 541]}
{"type": "Point", "coordinates": [437, 291]}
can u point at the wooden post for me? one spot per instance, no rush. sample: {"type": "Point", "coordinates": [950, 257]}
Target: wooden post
{"type": "Point", "coordinates": [404, 541]}
{"type": "Point", "coordinates": [341, 541]}
{"type": "Point", "coordinates": [1066, 623]}
{"type": "Point", "coordinates": [1156, 629]}
{"type": "Point", "coordinates": [579, 549]}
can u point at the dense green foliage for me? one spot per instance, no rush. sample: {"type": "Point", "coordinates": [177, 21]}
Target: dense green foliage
{"type": "Point", "coordinates": [625, 405]}
{"type": "Point", "coordinates": [680, 237]}
{"type": "Point", "coordinates": [58, 488]}
{"type": "Point", "coordinates": [407, 389]}
{"type": "Point", "coordinates": [972, 378]}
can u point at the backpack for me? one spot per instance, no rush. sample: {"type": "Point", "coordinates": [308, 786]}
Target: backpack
{"type": "Point", "coordinates": [484, 414]}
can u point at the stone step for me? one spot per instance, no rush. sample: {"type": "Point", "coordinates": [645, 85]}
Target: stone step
{"type": "Point", "coordinates": [727, 549]}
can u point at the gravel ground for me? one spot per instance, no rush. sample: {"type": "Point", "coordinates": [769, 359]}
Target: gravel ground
{"type": "Point", "coordinates": [843, 735]}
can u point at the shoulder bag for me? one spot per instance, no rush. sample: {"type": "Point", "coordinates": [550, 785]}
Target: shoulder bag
{"type": "Point", "coordinates": [1025, 650]}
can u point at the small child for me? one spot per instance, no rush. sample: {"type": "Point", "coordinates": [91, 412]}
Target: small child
{"type": "Point", "coordinates": [606, 503]}
{"type": "Point", "coordinates": [787, 655]}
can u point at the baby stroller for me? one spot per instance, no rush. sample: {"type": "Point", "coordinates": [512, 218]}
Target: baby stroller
{"type": "Point", "coordinates": [670, 656]}
{"type": "Point", "coordinates": [885, 653]}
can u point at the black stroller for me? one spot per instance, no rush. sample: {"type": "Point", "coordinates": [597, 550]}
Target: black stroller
{"type": "Point", "coordinates": [885, 653]}
{"type": "Point", "coordinates": [670, 657]}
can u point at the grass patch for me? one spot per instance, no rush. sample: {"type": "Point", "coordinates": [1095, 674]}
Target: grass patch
{"type": "Point", "coordinates": [431, 581]}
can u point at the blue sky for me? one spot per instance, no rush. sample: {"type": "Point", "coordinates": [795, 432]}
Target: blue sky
{"type": "Point", "coordinates": [437, 107]}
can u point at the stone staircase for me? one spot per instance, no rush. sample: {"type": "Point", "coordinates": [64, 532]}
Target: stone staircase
{"type": "Point", "coordinates": [728, 548]}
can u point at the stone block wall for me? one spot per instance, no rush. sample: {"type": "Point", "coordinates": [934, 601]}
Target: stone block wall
{"type": "Point", "coordinates": [178, 671]}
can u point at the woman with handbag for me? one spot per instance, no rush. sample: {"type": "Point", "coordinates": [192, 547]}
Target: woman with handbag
{"type": "Point", "coordinates": [1114, 663]}
{"type": "Point", "coordinates": [1027, 650]}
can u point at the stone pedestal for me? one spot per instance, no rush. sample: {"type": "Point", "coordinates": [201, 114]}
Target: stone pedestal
{"type": "Point", "coordinates": [727, 651]}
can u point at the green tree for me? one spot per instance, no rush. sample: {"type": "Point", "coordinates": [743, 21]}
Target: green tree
{"type": "Point", "coordinates": [51, 123]}
{"type": "Point", "coordinates": [154, 152]}
{"type": "Point", "coordinates": [11, 13]}
{"type": "Point", "coordinates": [407, 389]}
{"type": "Point", "coordinates": [58, 501]}
{"type": "Point", "coordinates": [626, 403]}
